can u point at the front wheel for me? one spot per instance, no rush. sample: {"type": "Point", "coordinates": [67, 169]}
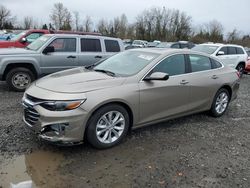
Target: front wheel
{"type": "Point", "coordinates": [108, 126]}
{"type": "Point", "coordinates": [220, 103]}
{"type": "Point", "coordinates": [19, 78]}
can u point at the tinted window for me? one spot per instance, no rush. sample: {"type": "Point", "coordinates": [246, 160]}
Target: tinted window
{"type": "Point", "coordinates": [184, 45]}
{"type": "Point", "coordinates": [90, 45]}
{"type": "Point", "coordinates": [64, 45]}
{"type": "Point", "coordinates": [175, 46]}
{"type": "Point", "coordinates": [199, 63]}
{"type": "Point", "coordinates": [231, 50]}
{"type": "Point", "coordinates": [239, 51]}
{"type": "Point", "coordinates": [112, 46]}
{"type": "Point", "coordinates": [215, 64]}
{"type": "Point", "coordinates": [173, 65]}
{"type": "Point", "coordinates": [224, 49]}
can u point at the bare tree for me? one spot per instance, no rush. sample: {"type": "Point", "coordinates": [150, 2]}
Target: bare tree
{"type": "Point", "coordinates": [87, 24]}
{"type": "Point", "coordinates": [102, 27]}
{"type": "Point", "coordinates": [58, 15]}
{"type": "Point", "coordinates": [27, 22]}
{"type": "Point", "coordinates": [5, 16]}
{"type": "Point", "coordinates": [77, 20]}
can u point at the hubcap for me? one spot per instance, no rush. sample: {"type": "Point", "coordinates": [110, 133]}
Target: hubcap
{"type": "Point", "coordinates": [21, 80]}
{"type": "Point", "coordinates": [221, 103]}
{"type": "Point", "coordinates": [110, 127]}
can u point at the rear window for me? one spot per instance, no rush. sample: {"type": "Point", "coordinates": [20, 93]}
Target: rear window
{"type": "Point", "coordinates": [91, 45]}
{"type": "Point", "coordinates": [239, 51]}
{"type": "Point", "coordinates": [112, 46]}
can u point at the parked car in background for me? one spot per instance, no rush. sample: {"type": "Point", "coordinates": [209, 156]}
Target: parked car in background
{"type": "Point", "coordinates": [234, 56]}
{"type": "Point", "coordinates": [140, 43]}
{"type": "Point", "coordinates": [128, 90]}
{"type": "Point", "coordinates": [51, 53]}
{"type": "Point", "coordinates": [178, 45]}
{"type": "Point", "coordinates": [152, 44]}
{"type": "Point", "coordinates": [247, 68]}
{"type": "Point", "coordinates": [24, 38]}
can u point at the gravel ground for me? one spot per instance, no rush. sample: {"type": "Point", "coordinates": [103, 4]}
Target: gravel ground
{"type": "Point", "coordinates": [194, 151]}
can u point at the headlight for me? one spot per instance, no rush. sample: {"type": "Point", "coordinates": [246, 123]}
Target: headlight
{"type": "Point", "coordinates": [62, 105]}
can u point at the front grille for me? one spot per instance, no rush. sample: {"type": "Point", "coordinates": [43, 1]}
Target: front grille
{"type": "Point", "coordinates": [31, 116]}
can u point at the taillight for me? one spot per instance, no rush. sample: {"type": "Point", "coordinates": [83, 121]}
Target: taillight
{"type": "Point", "coordinates": [238, 74]}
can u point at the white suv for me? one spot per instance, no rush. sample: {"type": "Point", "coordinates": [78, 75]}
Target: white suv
{"type": "Point", "coordinates": [232, 55]}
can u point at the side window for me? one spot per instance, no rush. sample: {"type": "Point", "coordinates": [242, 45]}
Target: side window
{"type": "Point", "coordinates": [112, 46]}
{"type": "Point", "coordinates": [91, 45]}
{"type": "Point", "coordinates": [199, 63]}
{"type": "Point", "coordinates": [33, 36]}
{"type": "Point", "coordinates": [64, 44]}
{"type": "Point", "coordinates": [224, 49]}
{"type": "Point", "coordinates": [231, 50]}
{"type": "Point", "coordinates": [173, 65]}
{"type": "Point", "coordinates": [239, 51]}
{"type": "Point", "coordinates": [184, 45]}
{"type": "Point", "coordinates": [215, 64]}
{"type": "Point", "coordinates": [175, 45]}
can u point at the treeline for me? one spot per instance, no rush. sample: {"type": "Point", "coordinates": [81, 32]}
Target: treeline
{"type": "Point", "coordinates": [152, 24]}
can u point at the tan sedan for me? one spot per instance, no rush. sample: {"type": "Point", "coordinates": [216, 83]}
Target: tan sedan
{"type": "Point", "coordinates": [100, 103]}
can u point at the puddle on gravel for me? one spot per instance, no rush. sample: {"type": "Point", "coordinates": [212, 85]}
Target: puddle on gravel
{"type": "Point", "coordinates": [38, 167]}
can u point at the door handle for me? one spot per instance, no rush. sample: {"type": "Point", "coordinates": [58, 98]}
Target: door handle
{"type": "Point", "coordinates": [71, 56]}
{"type": "Point", "coordinates": [98, 56]}
{"type": "Point", "coordinates": [184, 82]}
{"type": "Point", "coordinates": [214, 77]}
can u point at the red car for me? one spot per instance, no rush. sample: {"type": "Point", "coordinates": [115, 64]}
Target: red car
{"type": "Point", "coordinates": [247, 68]}
{"type": "Point", "coordinates": [24, 38]}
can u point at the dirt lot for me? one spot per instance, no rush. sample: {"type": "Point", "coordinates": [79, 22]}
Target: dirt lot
{"type": "Point", "coordinates": [194, 151]}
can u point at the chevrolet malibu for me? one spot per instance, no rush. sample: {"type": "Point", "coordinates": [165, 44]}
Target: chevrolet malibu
{"type": "Point", "coordinates": [100, 103]}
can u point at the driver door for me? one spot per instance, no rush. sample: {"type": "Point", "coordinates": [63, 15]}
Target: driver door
{"type": "Point", "coordinates": [64, 57]}
{"type": "Point", "coordinates": [162, 99]}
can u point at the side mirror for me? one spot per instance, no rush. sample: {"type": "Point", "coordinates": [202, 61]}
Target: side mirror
{"type": "Point", "coordinates": [157, 76]}
{"type": "Point", "coordinates": [49, 49]}
{"type": "Point", "coordinates": [24, 40]}
{"type": "Point", "coordinates": [220, 53]}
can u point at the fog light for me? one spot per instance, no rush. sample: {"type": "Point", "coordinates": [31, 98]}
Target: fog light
{"type": "Point", "coordinates": [55, 129]}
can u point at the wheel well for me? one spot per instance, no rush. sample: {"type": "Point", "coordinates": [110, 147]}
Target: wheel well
{"type": "Point", "coordinates": [242, 63]}
{"type": "Point", "coordinates": [229, 89]}
{"type": "Point", "coordinates": [16, 65]}
{"type": "Point", "coordinates": [124, 105]}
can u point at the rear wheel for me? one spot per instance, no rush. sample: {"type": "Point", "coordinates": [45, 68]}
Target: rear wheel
{"type": "Point", "coordinates": [19, 78]}
{"type": "Point", "coordinates": [108, 126]}
{"type": "Point", "coordinates": [220, 103]}
{"type": "Point", "coordinates": [241, 69]}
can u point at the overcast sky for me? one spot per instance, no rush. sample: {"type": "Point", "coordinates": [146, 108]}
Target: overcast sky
{"type": "Point", "coordinates": [231, 13]}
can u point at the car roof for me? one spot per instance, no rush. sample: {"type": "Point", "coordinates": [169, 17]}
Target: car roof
{"type": "Point", "coordinates": [83, 36]}
{"type": "Point", "coordinates": [169, 51]}
{"type": "Point", "coordinates": [219, 44]}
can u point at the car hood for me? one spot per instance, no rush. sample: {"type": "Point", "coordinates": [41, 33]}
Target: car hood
{"type": "Point", "coordinates": [78, 80]}
{"type": "Point", "coordinates": [15, 51]}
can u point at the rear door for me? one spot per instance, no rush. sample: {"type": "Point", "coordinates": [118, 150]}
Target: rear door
{"type": "Point", "coordinates": [203, 81]}
{"type": "Point", "coordinates": [161, 99]}
{"type": "Point", "coordinates": [64, 57]}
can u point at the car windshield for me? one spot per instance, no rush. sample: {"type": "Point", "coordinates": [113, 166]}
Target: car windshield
{"type": "Point", "coordinates": [127, 63]}
{"type": "Point", "coordinates": [209, 49]}
{"type": "Point", "coordinates": [17, 36]}
{"type": "Point", "coordinates": [38, 43]}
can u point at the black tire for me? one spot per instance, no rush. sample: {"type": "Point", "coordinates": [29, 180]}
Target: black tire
{"type": "Point", "coordinates": [241, 69]}
{"type": "Point", "coordinates": [91, 132]}
{"type": "Point", "coordinates": [23, 72]}
{"type": "Point", "coordinates": [213, 111]}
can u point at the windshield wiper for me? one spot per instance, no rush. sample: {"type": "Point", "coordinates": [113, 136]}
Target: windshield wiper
{"type": "Point", "coordinates": [105, 71]}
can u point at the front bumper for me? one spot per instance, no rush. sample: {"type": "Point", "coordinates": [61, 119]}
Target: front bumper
{"type": "Point", "coordinates": [59, 127]}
